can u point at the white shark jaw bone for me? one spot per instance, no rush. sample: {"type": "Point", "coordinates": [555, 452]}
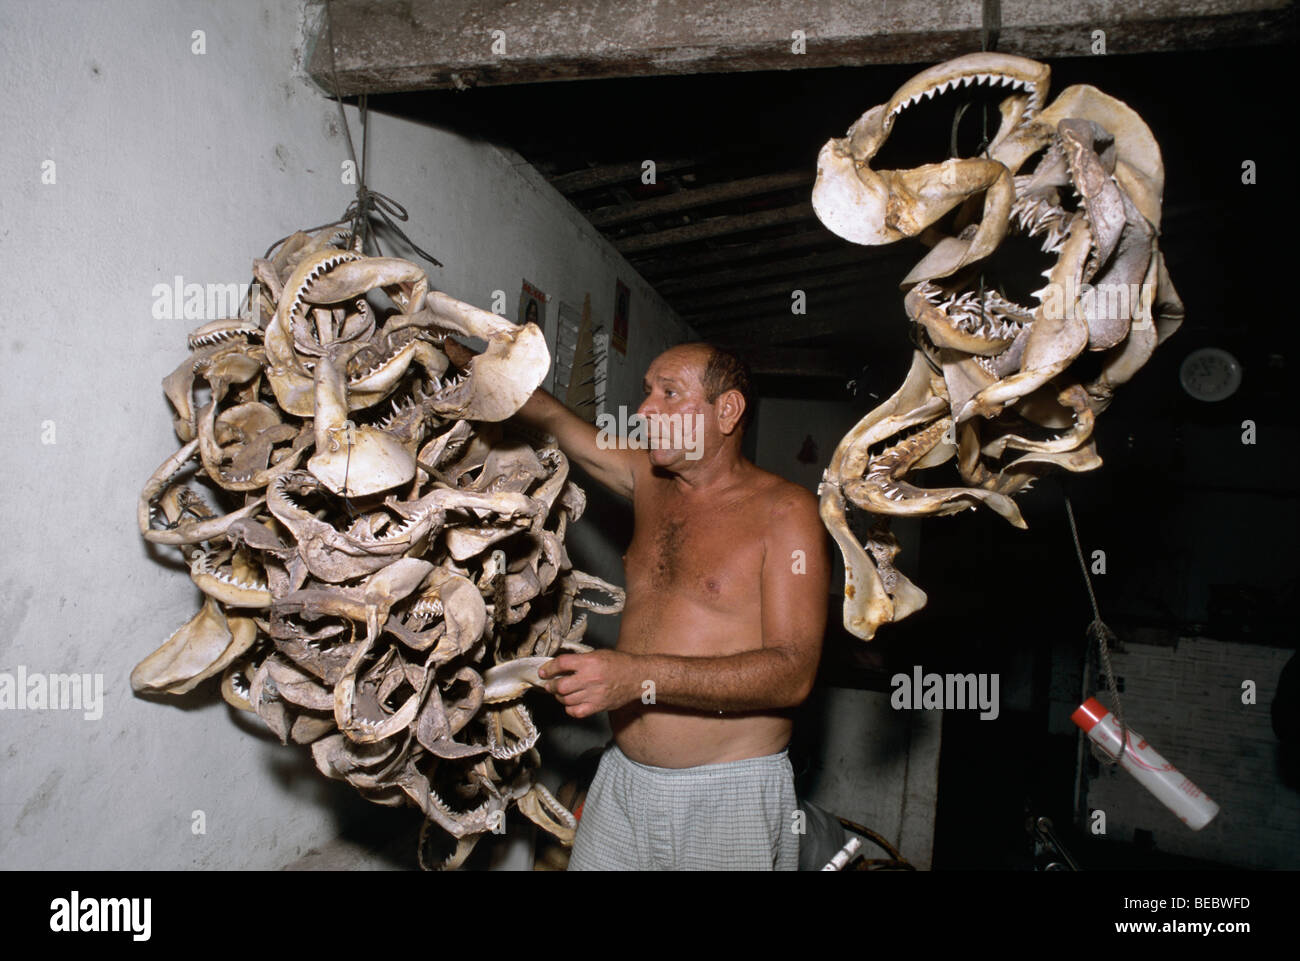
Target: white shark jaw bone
{"type": "Point", "coordinates": [867, 602]}
{"type": "Point", "coordinates": [323, 304]}
{"type": "Point", "coordinates": [241, 585]}
{"type": "Point", "coordinates": [202, 647]}
{"type": "Point", "coordinates": [509, 681]}
{"type": "Point", "coordinates": [500, 379]}
{"type": "Point", "coordinates": [872, 207]}
{"type": "Point", "coordinates": [349, 460]}
{"type": "Point", "coordinates": [991, 384]}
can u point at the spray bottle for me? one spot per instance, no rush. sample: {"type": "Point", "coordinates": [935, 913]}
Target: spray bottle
{"type": "Point", "coordinates": [1153, 772]}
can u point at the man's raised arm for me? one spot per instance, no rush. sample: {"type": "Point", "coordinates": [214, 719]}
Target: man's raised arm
{"type": "Point", "coordinates": [612, 468]}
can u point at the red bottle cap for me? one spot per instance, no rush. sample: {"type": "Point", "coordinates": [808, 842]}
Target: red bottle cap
{"type": "Point", "coordinates": [1089, 714]}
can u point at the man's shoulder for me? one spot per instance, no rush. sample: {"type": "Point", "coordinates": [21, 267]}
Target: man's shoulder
{"type": "Point", "coordinates": [784, 499]}
{"type": "Point", "coordinates": [793, 522]}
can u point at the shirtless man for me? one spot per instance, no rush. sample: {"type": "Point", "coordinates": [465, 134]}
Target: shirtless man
{"type": "Point", "coordinates": [727, 581]}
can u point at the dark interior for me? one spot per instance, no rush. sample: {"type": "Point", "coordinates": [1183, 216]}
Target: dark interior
{"type": "Point", "coordinates": [1179, 496]}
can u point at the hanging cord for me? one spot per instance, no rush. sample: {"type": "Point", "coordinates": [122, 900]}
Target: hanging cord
{"type": "Point", "coordinates": [1103, 636]}
{"type": "Point", "coordinates": [368, 203]}
{"type": "Point", "coordinates": [990, 27]}
{"type": "Point", "coordinates": [991, 24]}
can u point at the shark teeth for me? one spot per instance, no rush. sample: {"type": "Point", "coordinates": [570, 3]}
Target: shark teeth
{"type": "Point", "coordinates": [995, 318]}
{"type": "Point", "coordinates": [884, 456]}
{"type": "Point", "coordinates": [888, 466]}
{"type": "Point", "coordinates": [979, 79]}
{"type": "Point", "coordinates": [503, 752]}
{"type": "Point", "coordinates": [1037, 216]}
{"type": "Point", "coordinates": [394, 351]}
{"type": "Point", "coordinates": [399, 408]}
{"type": "Point", "coordinates": [442, 388]}
{"type": "Point", "coordinates": [399, 532]}
{"type": "Point", "coordinates": [327, 264]}
{"type": "Point", "coordinates": [218, 336]}
{"type": "Point", "coordinates": [427, 607]}
{"type": "Point", "coordinates": [371, 371]}
{"type": "Point", "coordinates": [203, 565]}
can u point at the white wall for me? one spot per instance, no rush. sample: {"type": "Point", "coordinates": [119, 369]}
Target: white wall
{"type": "Point", "coordinates": [168, 162]}
{"type": "Point", "coordinates": [783, 424]}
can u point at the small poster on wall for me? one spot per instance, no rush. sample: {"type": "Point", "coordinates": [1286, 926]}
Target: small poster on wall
{"type": "Point", "coordinates": [622, 298]}
{"type": "Point", "coordinates": [532, 307]}
{"type": "Point", "coordinates": [532, 310]}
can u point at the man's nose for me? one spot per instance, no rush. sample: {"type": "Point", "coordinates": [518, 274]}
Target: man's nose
{"type": "Point", "coordinates": [648, 407]}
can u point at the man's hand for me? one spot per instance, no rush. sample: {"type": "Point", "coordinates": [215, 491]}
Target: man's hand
{"type": "Point", "coordinates": [577, 438]}
{"type": "Point", "coordinates": [589, 683]}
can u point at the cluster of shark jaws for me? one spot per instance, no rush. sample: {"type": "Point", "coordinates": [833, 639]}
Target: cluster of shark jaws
{"type": "Point", "coordinates": [383, 570]}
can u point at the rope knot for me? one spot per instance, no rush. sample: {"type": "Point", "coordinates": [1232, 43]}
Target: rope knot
{"type": "Point", "coordinates": [349, 431]}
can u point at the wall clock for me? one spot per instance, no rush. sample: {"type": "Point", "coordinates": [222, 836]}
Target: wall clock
{"type": "Point", "coordinates": [1210, 374]}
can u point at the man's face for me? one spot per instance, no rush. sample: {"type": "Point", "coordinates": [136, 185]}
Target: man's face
{"type": "Point", "coordinates": [681, 424]}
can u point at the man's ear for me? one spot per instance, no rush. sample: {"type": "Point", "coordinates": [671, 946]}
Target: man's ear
{"type": "Point", "coordinates": [730, 407]}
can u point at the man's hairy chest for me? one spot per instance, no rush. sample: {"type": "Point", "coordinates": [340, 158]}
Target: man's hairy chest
{"type": "Point", "coordinates": [712, 555]}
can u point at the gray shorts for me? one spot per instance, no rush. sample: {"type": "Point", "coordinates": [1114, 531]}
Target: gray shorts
{"type": "Point", "coordinates": [735, 816]}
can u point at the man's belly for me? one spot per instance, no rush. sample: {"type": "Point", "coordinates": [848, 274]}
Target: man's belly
{"type": "Point", "coordinates": [677, 737]}
{"type": "Point", "coordinates": [667, 736]}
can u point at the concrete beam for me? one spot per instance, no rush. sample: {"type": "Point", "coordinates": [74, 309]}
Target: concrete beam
{"type": "Point", "coordinates": [382, 46]}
